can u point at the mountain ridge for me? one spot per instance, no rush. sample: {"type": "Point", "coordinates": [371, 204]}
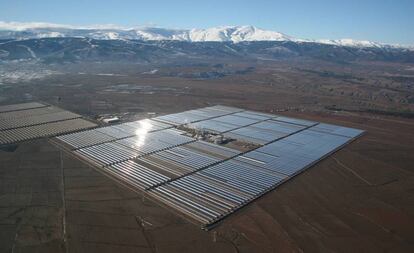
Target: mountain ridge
{"type": "Point", "coordinates": [65, 50]}
{"type": "Point", "coordinates": [235, 34]}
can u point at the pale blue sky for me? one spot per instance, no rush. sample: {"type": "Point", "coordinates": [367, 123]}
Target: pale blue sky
{"type": "Point", "coordinates": [377, 20]}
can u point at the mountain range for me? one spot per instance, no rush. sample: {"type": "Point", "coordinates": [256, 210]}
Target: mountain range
{"type": "Point", "coordinates": [235, 34]}
{"type": "Point", "coordinates": [63, 43]}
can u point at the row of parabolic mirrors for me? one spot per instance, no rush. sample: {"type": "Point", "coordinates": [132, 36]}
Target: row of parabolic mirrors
{"type": "Point", "coordinates": [20, 122]}
{"type": "Point", "coordinates": [206, 181]}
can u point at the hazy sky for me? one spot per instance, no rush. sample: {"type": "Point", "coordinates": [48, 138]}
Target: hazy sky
{"type": "Point", "coordinates": [377, 20]}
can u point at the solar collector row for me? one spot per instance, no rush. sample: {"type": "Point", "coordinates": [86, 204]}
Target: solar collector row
{"type": "Point", "coordinates": [114, 132]}
{"type": "Point", "coordinates": [29, 112]}
{"type": "Point", "coordinates": [199, 197]}
{"type": "Point", "coordinates": [36, 120]}
{"type": "Point", "coordinates": [247, 176]}
{"type": "Point", "coordinates": [232, 122]}
{"type": "Point", "coordinates": [125, 149]}
{"type": "Point", "coordinates": [144, 147]}
{"type": "Point", "coordinates": [264, 132]}
{"type": "Point", "coordinates": [301, 122]}
{"type": "Point", "coordinates": [253, 115]}
{"type": "Point", "coordinates": [337, 130]}
{"type": "Point", "coordinates": [296, 152]}
{"type": "Point", "coordinates": [213, 126]}
{"type": "Point", "coordinates": [137, 175]}
{"type": "Point", "coordinates": [224, 108]}
{"type": "Point", "coordinates": [180, 118]}
{"type": "Point", "coordinates": [155, 141]}
{"type": "Point", "coordinates": [249, 179]}
{"type": "Point", "coordinates": [213, 149]}
{"type": "Point", "coordinates": [187, 157]}
{"type": "Point", "coordinates": [111, 133]}
{"type": "Point", "coordinates": [108, 153]}
{"type": "Point", "coordinates": [216, 191]}
{"type": "Point", "coordinates": [49, 129]}
{"type": "Point", "coordinates": [146, 124]}
{"type": "Point", "coordinates": [85, 138]}
{"type": "Point", "coordinates": [180, 161]}
{"type": "Point", "coordinates": [236, 120]}
{"type": "Point", "coordinates": [196, 115]}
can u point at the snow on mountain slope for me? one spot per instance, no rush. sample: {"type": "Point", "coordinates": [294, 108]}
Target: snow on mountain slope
{"type": "Point", "coordinates": [153, 33]}
{"type": "Point", "coordinates": [225, 33]}
{"type": "Point", "coordinates": [351, 43]}
{"type": "Point", "coordinates": [236, 34]}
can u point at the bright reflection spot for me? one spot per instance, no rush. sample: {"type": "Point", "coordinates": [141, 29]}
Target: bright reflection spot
{"type": "Point", "coordinates": [144, 127]}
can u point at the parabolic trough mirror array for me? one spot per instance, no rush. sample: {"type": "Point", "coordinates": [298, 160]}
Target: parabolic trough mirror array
{"type": "Point", "coordinates": [177, 160]}
{"type": "Point", "coordinates": [26, 121]}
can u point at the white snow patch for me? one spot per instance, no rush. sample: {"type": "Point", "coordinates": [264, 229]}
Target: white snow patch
{"type": "Point", "coordinates": [151, 72]}
{"type": "Point", "coordinates": [32, 54]}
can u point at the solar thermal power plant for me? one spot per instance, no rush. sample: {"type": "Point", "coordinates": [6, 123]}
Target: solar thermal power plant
{"type": "Point", "coordinates": [20, 122]}
{"type": "Point", "coordinates": [203, 181]}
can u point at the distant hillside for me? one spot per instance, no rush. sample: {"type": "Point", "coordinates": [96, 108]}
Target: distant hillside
{"type": "Point", "coordinates": [60, 50]}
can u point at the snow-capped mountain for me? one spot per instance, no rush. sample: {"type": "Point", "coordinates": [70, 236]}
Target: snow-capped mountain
{"type": "Point", "coordinates": [51, 43]}
{"type": "Point", "coordinates": [224, 33]}
{"type": "Point", "coordinates": [352, 43]}
{"type": "Point", "coordinates": [235, 34]}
